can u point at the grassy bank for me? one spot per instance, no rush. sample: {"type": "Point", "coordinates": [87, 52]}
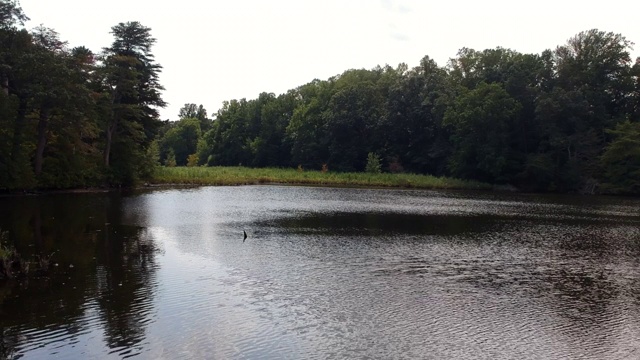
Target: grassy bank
{"type": "Point", "coordinates": [242, 175]}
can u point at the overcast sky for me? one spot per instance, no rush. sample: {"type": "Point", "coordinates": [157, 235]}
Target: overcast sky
{"type": "Point", "coordinates": [213, 51]}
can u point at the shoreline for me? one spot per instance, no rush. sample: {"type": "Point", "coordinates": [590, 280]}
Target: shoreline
{"type": "Point", "coordinates": [188, 177]}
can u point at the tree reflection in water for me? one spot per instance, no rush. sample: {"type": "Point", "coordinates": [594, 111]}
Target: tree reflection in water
{"type": "Point", "coordinates": [103, 274]}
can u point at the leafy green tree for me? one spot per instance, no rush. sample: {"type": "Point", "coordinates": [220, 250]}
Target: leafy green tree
{"type": "Point", "coordinates": [307, 129]}
{"type": "Point", "coordinates": [193, 111]}
{"type": "Point", "coordinates": [481, 120]}
{"type": "Point", "coordinates": [255, 143]}
{"type": "Point", "coordinates": [151, 161]}
{"type": "Point", "coordinates": [131, 80]}
{"type": "Point", "coordinates": [9, 109]}
{"type": "Point", "coordinates": [412, 125]}
{"type": "Point", "coordinates": [353, 116]}
{"type": "Point", "coordinates": [228, 141]}
{"type": "Point", "coordinates": [170, 161]}
{"type": "Point", "coordinates": [621, 159]}
{"type": "Point", "coordinates": [16, 80]}
{"type": "Point", "coordinates": [182, 140]}
{"type": "Point", "coordinates": [471, 68]}
{"type": "Point", "coordinates": [588, 91]}
{"type": "Point", "coordinates": [72, 154]}
{"type": "Point", "coordinates": [50, 125]}
{"type": "Point", "coordinates": [270, 147]}
{"type": "Point", "coordinates": [50, 92]}
{"type": "Point", "coordinates": [597, 64]}
{"type": "Point", "coordinates": [564, 140]}
{"type": "Point", "coordinates": [373, 164]}
{"type": "Point", "coordinates": [11, 14]}
{"type": "Point", "coordinates": [192, 160]}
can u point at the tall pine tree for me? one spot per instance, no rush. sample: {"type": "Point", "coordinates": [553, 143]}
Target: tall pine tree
{"type": "Point", "coordinates": [133, 94]}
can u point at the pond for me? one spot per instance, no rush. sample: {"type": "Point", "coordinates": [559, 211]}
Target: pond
{"type": "Point", "coordinates": [324, 273]}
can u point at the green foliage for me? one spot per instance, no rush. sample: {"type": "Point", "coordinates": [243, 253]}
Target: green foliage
{"type": "Point", "coordinates": [192, 160]}
{"type": "Point", "coordinates": [182, 139]}
{"type": "Point", "coordinates": [482, 121]}
{"type": "Point", "coordinates": [11, 14]}
{"type": "Point", "coordinates": [307, 128]}
{"type": "Point", "coordinates": [352, 117]}
{"type": "Point", "coordinates": [170, 161]}
{"type": "Point", "coordinates": [193, 111]}
{"type": "Point", "coordinates": [412, 122]}
{"type": "Point", "coordinates": [373, 164]}
{"type": "Point", "coordinates": [151, 161]}
{"type": "Point", "coordinates": [621, 159]}
{"type": "Point", "coordinates": [130, 78]}
{"type": "Point", "coordinates": [229, 141]}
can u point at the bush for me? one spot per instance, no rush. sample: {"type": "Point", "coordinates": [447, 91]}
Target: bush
{"type": "Point", "coordinates": [171, 159]}
{"type": "Point", "coordinates": [192, 160]}
{"type": "Point", "coordinates": [373, 164]}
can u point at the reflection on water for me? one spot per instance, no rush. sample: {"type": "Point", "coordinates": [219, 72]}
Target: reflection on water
{"type": "Point", "coordinates": [325, 273]}
{"type": "Point", "coordinates": [100, 290]}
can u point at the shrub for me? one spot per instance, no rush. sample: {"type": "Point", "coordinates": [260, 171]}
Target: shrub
{"type": "Point", "coordinates": [171, 159]}
{"type": "Point", "coordinates": [373, 164]}
{"type": "Point", "coordinates": [192, 160]}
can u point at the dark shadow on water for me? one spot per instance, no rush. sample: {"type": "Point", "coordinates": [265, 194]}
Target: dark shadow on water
{"type": "Point", "coordinates": [373, 224]}
{"type": "Point", "coordinates": [102, 274]}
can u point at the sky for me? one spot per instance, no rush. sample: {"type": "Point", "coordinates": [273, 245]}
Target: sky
{"type": "Point", "coordinates": [218, 50]}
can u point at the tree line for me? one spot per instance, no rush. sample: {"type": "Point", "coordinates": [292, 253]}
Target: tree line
{"type": "Point", "coordinates": [565, 120]}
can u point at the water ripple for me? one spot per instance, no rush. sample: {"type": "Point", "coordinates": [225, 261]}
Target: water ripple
{"type": "Point", "coordinates": [338, 273]}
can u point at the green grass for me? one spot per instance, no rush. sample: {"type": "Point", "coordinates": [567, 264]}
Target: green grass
{"type": "Point", "coordinates": [245, 176]}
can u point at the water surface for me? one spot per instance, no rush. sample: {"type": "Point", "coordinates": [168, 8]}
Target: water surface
{"type": "Point", "coordinates": [324, 273]}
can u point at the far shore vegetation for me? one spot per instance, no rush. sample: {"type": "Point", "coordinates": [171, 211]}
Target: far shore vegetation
{"type": "Point", "coordinates": [227, 175]}
{"type": "Point", "coordinates": [564, 120]}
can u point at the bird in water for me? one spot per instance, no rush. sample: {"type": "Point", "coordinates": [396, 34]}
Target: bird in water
{"type": "Point", "coordinates": [245, 235]}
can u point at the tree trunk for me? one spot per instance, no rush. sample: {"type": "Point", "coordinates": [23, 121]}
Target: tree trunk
{"type": "Point", "coordinates": [42, 139]}
{"type": "Point", "coordinates": [107, 148]}
{"type": "Point", "coordinates": [18, 128]}
{"type": "Point", "coordinates": [111, 128]}
{"type": "Point", "coordinates": [5, 84]}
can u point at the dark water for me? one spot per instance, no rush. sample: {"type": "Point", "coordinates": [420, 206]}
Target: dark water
{"type": "Point", "coordinates": [324, 273]}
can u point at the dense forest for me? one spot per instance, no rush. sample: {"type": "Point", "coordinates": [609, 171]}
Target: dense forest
{"type": "Point", "coordinates": [565, 120]}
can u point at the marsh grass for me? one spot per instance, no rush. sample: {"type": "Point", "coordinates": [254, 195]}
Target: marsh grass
{"type": "Point", "coordinates": [248, 176]}
{"type": "Point", "coordinates": [11, 265]}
